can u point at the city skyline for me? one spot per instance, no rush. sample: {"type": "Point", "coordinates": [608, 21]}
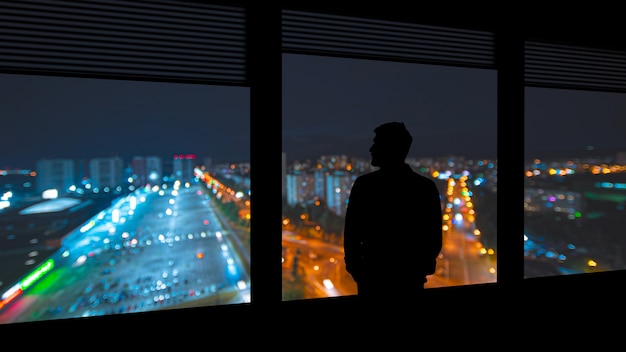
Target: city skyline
{"type": "Point", "coordinates": [330, 107]}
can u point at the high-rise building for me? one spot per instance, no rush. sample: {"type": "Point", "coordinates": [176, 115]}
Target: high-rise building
{"type": "Point", "coordinates": [106, 172]}
{"type": "Point", "coordinates": [292, 186]}
{"type": "Point", "coordinates": [319, 183]}
{"type": "Point", "coordinates": [283, 175]}
{"type": "Point", "coordinates": [154, 169]}
{"type": "Point", "coordinates": [139, 171]}
{"type": "Point", "coordinates": [338, 185]}
{"type": "Point", "coordinates": [183, 166]}
{"type": "Point", "coordinates": [146, 170]}
{"type": "Point", "coordinates": [56, 174]}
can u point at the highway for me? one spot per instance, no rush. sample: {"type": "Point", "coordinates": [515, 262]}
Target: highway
{"type": "Point", "coordinates": [463, 259]}
{"type": "Point", "coordinates": [157, 248]}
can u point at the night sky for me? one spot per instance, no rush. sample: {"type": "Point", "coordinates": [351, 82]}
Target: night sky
{"type": "Point", "coordinates": [336, 103]}
{"type": "Point", "coordinates": [56, 117]}
{"type": "Point", "coordinates": [330, 106]}
{"type": "Point", "coordinates": [571, 120]}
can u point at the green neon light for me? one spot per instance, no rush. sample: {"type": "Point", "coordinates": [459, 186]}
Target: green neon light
{"type": "Point", "coordinates": [37, 274]}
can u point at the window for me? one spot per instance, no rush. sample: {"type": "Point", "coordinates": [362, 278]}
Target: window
{"type": "Point", "coordinates": [194, 43]}
{"type": "Point", "coordinates": [122, 197]}
{"type": "Point", "coordinates": [575, 159]}
{"type": "Point", "coordinates": [330, 108]}
{"type": "Point", "coordinates": [575, 182]}
{"type": "Point", "coordinates": [125, 164]}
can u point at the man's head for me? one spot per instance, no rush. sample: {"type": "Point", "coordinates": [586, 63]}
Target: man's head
{"type": "Point", "coordinates": [392, 142]}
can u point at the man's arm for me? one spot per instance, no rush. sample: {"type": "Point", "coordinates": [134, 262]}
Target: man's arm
{"type": "Point", "coordinates": [434, 231]}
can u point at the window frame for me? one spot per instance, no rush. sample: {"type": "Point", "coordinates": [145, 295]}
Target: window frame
{"type": "Point", "coordinates": [264, 52]}
{"type": "Point", "coordinates": [340, 35]}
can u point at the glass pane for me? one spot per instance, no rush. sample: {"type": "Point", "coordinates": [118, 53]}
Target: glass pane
{"type": "Point", "coordinates": [575, 184]}
{"type": "Point", "coordinates": [121, 197]}
{"type": "Point", "coordinates": [330, 109]}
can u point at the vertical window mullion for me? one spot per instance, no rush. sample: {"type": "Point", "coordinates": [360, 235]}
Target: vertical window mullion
{"type": "Point", "coordinates": [510, 66]}
{"type": "Point", "coordinates": [264, 72]}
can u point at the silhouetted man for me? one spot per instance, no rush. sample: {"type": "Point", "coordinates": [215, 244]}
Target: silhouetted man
{"type": "Point", "coordinates": [393, 224]}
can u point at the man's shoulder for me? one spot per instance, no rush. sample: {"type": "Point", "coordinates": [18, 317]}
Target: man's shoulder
{"type": "Point", "coordinates": [422, 177]}
{"type": "Point", "coordinates": [394, 174]}
{"type": "Point", "coordinates": [367, 175]}
{"type": "Point", "coordinates": [401, 174]}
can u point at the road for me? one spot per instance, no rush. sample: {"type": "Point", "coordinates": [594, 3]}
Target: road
{"type": "Point", "coordinates": [154, 249]}
{"type": "Point", "coordinates": [463, 259]}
